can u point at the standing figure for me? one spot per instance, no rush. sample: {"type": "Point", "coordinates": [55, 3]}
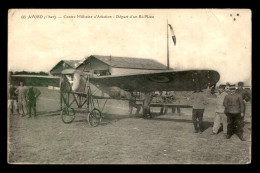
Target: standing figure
{"type": "Point", "coordinates": [22, 104]}
{"type": "Point", "coordinates": [161, 101]}
{"type": "Point", "coordinates": [178, 110]}
{"type": "Point", "coordinates": [220, 116]}
{"type": "Point", "coordinates": [132, 104]}
{"type": "Point", "coordinates": [169, 96]}
{"type": "Point", "coordinates": [148, 96]}
{"type": "Point", "coordinates": [174, 98]}
{"type": "Point", "coordinates": [199, 101]}
{"type": "Point", "coordinates": [246, 96]}
{"type": "Point", "coordinates": [234, 109]}
{"type": "Point", "coordinates": [12, 100]}
{"type": "Point", "coordinates": [32, 95]}
{"type": "Point", "coordinates": [164, 109]}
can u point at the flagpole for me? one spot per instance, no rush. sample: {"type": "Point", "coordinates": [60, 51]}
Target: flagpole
{"type": "Point", "coordinates": [168, 63]}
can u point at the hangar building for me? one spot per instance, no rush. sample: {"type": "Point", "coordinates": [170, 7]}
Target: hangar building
{"type": "Point", "coordinates": [62, 65]}
{"type": "Point", "coordinates": [112, 65]}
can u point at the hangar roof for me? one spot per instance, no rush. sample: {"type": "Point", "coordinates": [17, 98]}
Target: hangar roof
{"type": "Point", "coordinates": [70, 64]}
{"type": "Point", "coordinates": [128, 62]}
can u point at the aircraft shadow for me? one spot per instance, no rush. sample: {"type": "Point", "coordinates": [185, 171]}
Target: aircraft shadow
{"type": "Point", "coordinates": [50, 113]}
{"type": "Point", "coordinates": [115, 116]}
{"type": "Point", "coordinates": [110, 118]}
{"type": "Point", "coordinates": [206, 124]}
{"type": "Point", "coordinates": [107, 119]}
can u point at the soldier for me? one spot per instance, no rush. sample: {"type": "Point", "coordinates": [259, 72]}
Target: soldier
{"type": "Point", "coordinates": [220, 116]}
{"type": "Point", "coordinates": [246, 96]}
{"type": "Point", "coordinates": [234, 106]}
{"type": "Point", "coordinates": [32, 95]}
{"type": "Point", "coordinates": [169, 96]}
{"type": "Point", "coordinates": [148, 96]}
{"type": "Point", "coordinates": [164, 109]}
{"type": "Point", "coordinates": [161, 100]}
{"type": "Point", "coordinates": [174, 98]}
{"type": "Point", "coordinates": [199, 101]}
{"type": "Point", "coordinates": [12, 100]}
{"type": "Point", "coordinates": [132, 103]}
{"type": "Point", "coordinates": [22, 105]}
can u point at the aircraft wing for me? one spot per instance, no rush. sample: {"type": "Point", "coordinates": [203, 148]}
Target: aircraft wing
{"type": "Point", "coordinates": [35, 80]}
{"type": "Point", "coordinates": [169, 80]}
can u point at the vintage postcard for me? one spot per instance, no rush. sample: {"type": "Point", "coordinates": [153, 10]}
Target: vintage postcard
{"type": "Point", "coordinates": [129, 86]}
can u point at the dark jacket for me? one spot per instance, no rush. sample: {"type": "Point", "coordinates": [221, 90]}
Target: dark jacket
{"type": "Point", "coordinates": [233, 103]}
{"type": "Point", "coordinates": [245, 94]}
{"type": "Point", "coordinates": [32, 94]}
{"type": "Point", "coordinates": [12, 94]}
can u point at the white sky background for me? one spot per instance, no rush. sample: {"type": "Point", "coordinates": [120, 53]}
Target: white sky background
{"type": "Point", "coordinates": [206, 39]}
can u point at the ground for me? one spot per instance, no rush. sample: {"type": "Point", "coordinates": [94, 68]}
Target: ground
{"type": "Point", "coordinates": [121, 139]}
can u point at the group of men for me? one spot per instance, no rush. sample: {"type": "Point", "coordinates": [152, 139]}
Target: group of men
{"type": "Point", "coordinates": [230, 110]}
{"type": "Point", "coordinates": [147, 98]}
{"type": "Point", "coordinates": [169, 96]}
{"type": "Point", "coordinates": [230, 107]}
{"type": "Point", "coordinates": [22, 100]}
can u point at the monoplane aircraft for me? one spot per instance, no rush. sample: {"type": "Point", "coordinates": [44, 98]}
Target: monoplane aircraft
{"type": "Point", "coordinates": [75, 87]}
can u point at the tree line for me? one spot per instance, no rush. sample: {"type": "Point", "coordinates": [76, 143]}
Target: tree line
{"type": "Point", "coordinates": [28, 73]}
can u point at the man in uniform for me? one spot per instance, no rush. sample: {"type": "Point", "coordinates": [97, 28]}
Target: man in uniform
{"type": "Point", "coordinates": [234, 106]}
{"type": "Point", "coordinates": [22, 105]}
{"type": "Point", "coordinates": [132, 104]}
{"type": "Point", "coordinates": [174, 98]}
{"type": "Point", "coordinates": [245, 96]}
{"type": "Point", "coordinates": [200, 99]}
{"type": "Point", "coordinates": [164, 109]}
{"type": "Point", "coordinates": [169, 96]}
{"type": "Point", "coordinates": [148, 96]}
{"type": "Point", "coordinates": [32, 95]}
{"type": "Point", "coordinates": [12, 100]}
{"type": "Point", "coordinates": [220, 116]}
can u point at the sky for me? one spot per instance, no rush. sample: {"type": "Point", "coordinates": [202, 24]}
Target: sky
{"type": "Point", "coordinates": [215, 39]}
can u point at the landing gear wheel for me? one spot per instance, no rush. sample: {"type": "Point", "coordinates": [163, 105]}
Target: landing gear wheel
{"type": "Point", "coordinates": [94, 117]}
{"type": "Point", "coordinates": [67, 115]}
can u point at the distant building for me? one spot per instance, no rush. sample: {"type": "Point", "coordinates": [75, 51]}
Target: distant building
{"type": "Point", "coordinates": [62, 65]}
{"type": "Point", "coordinates": [108, 65]}
{"type": "Point", "coordinates": [111, 65]}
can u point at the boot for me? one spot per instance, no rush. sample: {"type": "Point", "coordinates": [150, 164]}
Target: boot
{"type": "Point", "coordinates": [241, 137]}
{"type": "Point", "coordinates": [195, 131]}
{"type": "Point", "coordinates": [145, 113]}
{"type": "Point", "coordinates": [228, 136]}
